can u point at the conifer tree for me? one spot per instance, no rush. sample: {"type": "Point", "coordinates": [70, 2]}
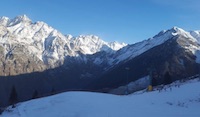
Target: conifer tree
{"type": "Point", "coordinates": [13, 97]}
{"type": "Point", "coordinates": [167, 78]}
{"type": "Point", "coordinates": [35, 94]}
{"type": "Point", "coordinates": [53, 91]}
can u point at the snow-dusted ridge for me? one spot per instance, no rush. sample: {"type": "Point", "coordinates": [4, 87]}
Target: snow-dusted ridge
{"type": "Point", "coordinates": [90, 44]}
{"type": "Point", "coordinates": [175, 100]}
{"type": "Point", "coordinates": [48, 43]}
{"type": "Point", "coordinates": [136, 49]}
{"type": "Point", "coordinates": [51, 46]}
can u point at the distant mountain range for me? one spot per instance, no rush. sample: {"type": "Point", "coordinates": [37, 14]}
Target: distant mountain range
{"type": "Point", "coordinates": [35, 56]}
{"type": "Point", "coordinates": [39, 42]}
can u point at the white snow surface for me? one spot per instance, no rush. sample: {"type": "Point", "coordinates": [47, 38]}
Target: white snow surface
{"type": "Point", "coordinates": [175, 100]}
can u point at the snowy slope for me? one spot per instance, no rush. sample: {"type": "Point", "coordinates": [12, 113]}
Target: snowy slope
{"type": "Point", "coordinates": [136, 49]}
{"type": "Point", "coordinates": [181, 100]}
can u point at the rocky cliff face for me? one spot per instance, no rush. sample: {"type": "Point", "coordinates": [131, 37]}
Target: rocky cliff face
{"type": "Point", "coordinates": [16, 61]}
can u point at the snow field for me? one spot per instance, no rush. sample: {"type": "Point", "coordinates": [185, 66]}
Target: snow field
{"type": "Point", "coordinates": [183, 101]}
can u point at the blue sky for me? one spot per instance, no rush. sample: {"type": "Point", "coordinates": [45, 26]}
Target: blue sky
{"type": "Point", "coordinates": [126, 21]}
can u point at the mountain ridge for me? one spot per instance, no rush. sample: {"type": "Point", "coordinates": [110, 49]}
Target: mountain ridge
{"type": "Point", "coordinates": [174, 51]}
{"type": "Point", "coordinates": [39, 57]}
{"type": "Point", "coordinates": [48, 44]}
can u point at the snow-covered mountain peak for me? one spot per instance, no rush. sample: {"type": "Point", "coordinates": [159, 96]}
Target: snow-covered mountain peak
{"type": "Point", "coordinates": [87, 44]}
{"type": "Point", "coordinates": [88, 38]}
{"type": "Point", "coordinates": [47, 43]}
{"type": "Point", "coordinates": [4, 21]}
{"type": "Point", "coordinates": [174, 31]}
{"type": "Point", "coordinates": [169, 33]}
{"type": "Point", "coordinates": [179, 31]}
{"type": "Point", "coordinates": [136, 49]}
{"type": "Point", "coordinates": [90, 44]}
{"type": "Point", "coordinates": [196, 34]}
{"type": "Point", "coordinates": [19, 19]}
{"type": "Point", "coordinates": [23, 18]}
{"type": "Point", "coordinates": [177, 28]}
{"type": "Point", "coordinates": [188, 40]}
{"type": "Point", "coordinates": [116, 45]}
{"type": "Point", "coordinates": [4, 17]}
{"type": "Point", "coordinates": [69, 37]}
